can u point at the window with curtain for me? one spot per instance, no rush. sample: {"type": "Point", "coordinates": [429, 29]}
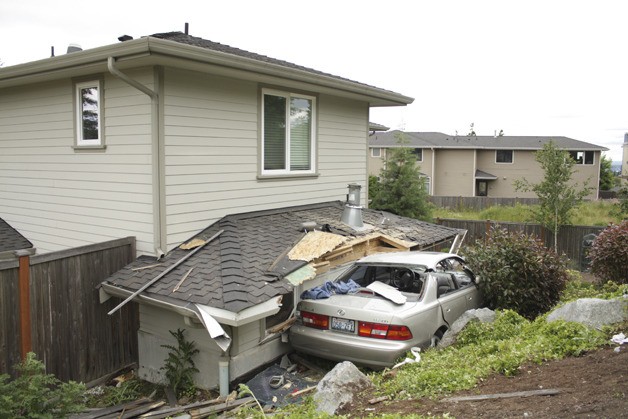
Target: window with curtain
{"type": "Point", "coordinates": [288, 141]}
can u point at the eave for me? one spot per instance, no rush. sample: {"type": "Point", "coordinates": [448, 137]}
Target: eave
{"type": "Point", "coordinates": [150, 51]}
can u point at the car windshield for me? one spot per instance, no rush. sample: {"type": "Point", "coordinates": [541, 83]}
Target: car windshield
{"type": "Point", "coordinates": [407, 279]}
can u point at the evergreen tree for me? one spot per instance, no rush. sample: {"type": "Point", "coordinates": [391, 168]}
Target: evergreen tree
{"type": "Point", "coordinates": [402, 189]}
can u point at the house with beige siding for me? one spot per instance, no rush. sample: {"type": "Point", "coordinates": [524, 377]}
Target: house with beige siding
{"type": "Point", "coordinates": [175, 139]}
{"type": "Point", "coordinates": [156, 137]}
{"type": "Point", "coordinates": [483, 165]}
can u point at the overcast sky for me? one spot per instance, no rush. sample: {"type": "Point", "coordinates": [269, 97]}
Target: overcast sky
{"type": "Point", "coordinates": [526, 67]}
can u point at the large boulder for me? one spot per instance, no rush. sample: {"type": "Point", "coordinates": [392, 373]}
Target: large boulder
{"type": "Point", "coordinates": [593, 312]}
{"type": "Point", "coordinates": [483, 315]}
{"type": "Point", "coordinates": [339, 386]}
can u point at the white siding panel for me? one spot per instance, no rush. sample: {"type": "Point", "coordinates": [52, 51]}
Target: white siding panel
{"type": "Point", "coordinates": [212, 156]}
{"type": "Point", "coordinates": [58, 197]}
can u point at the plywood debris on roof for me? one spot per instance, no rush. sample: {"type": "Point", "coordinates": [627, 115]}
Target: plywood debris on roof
{"type": "Point", "coordinates": [194, 243]}
{"type": "Point", "coordinates": [315, 244]}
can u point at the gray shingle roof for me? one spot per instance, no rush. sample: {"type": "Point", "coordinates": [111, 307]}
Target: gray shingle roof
{"type": "Point", "coordinates": [510, 142]}
{"type": "Point", "coordinates": [182, 38]}
{"type": "Point", "coordinates": [11, 239]}
{"type": "Point", "coordinates": [241, 267]}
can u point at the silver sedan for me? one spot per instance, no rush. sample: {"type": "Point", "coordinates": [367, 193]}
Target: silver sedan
{"type": "Point", "coordinates": [384, 305]}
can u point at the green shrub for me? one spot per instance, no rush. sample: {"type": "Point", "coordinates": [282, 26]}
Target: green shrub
{"type": "Point", "coordinates": [517, 272]}
{"type": "Point", "coordinates": [609, 254]}
{"type": "Point", "coordinates": [35, 394]}
{"type": "Point", "coordinates": [179, 365]}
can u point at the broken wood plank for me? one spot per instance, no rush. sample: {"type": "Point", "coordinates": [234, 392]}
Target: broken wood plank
{"type": "Point", "coordinates": [161, 275]}
{"type": "Point", "coordinates": [164, 413]}
{"type": "Point", "coordinates": [112, 411]}
{"type": "Point", "coordinates": [135, 412]}
{"type": "Point", "coordinates": [547, 392]}
{"type": "Point", "coordinates": [305, 390]}
{"type": "Point", "coordinates": [204, 411]}
{"type": "Point", "coordinates": [141, 268]}
{"type": "Point", "coordinates": [379, 399]}
{"type": "Point", "coordinates": [283, 325]}
{"type": "Point", "coordinates": [176, 288]}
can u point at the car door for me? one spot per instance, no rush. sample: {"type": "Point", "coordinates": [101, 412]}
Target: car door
{"type": "Point", "coordinates": [453, 301]}
{"type": "Point", "coordinates": [465, 282]}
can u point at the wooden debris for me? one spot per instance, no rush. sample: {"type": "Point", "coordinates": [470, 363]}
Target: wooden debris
{"type": "Point", "coordinates": [176, 288]}
{"type": "Point", "coordinates": [192, 244]}
{"type": "Point", "coordinates": [141, 268]}
{"type": "Point", "coordinates": [548, 392]}
{"type": "Point", "coordinates": [305, 390]}
{"type": "Point", "coordinates": [283, 325]}
{"type": "Point", "coordinates": [315, 244]}
{"type": "Point", "coordinates": [379, 399]}
{"type": "Point", "coordinates": [205, 411]}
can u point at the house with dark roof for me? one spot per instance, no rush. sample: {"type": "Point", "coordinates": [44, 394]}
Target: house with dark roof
{"type": "Point", "coordinates": [240, 279]}
{"type": "Point", "coordinates": [12, 241]}
{"type": "Point", "coordinates": [484, 165]}
{"type": "Point", "coordinates": [155, 137]}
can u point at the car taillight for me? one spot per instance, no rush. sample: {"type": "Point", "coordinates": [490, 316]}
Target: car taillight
{"type": "Point", "coordinates": [318, 321]}
{"type": "Point", "coordinates": [384, 331]}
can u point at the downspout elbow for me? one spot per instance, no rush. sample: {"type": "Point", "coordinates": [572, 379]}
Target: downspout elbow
{"type": "Point", "coordinates": [139, 86]}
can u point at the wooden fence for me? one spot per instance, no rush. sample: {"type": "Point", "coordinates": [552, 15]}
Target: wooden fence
{"type": "Point", "coordinates": [570, 238]}
{"type": "Point", "coordinates": [478, 203]}
{"type": "Point", "coordinates": [70, 329]}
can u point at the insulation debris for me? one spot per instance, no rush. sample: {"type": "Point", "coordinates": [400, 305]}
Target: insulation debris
{"type": "Point", "coordinates": [315, 244]}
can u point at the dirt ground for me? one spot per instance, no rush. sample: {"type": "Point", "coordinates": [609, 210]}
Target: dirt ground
{"type": "Point", "coordinates": [593, 385]}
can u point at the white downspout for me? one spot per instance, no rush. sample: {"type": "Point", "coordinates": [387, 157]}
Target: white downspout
{"type": "Point", "coordinates": [159, 241]}
{"type": "Point", "coordinates": [433, 182]}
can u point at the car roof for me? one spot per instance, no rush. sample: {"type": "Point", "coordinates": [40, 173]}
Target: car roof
{"type": "Point", "coordinates": [429, 259]}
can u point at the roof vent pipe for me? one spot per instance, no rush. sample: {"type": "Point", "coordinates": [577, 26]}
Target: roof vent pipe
{"type": "Point", "coordinates": [352, 214]}
{"type": "Point", "coordinates": [74, 48]}
{"type": "Point", "coordinates": [187, 28]}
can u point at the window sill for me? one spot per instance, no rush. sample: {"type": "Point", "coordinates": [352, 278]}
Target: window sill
{"type": "Point", "coordinates": [82, 148]}
{"type": "Point", "coordinates": [287, 176]}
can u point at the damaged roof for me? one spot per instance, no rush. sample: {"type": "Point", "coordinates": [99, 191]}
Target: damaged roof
{"type": "Point", "coordinates": [246, 263]}
{"type": "Point", "coordinates": [11, 239]}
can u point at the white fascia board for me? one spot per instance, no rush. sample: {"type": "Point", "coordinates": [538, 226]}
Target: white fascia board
{"type": "Point", "coordinates": [248, 315]}
{"type": "Point", "coordinates": [151, 51]}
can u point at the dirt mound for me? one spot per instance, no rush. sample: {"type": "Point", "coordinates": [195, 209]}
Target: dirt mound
{"type": "Point", "coordinates": [592, 385]}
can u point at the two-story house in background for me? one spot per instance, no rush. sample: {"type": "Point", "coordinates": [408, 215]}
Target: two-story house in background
{"type": "Point", "coordinates": [483, 165]}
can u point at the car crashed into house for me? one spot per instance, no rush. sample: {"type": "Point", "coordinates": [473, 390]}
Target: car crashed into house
{"type": "Point", "coordinates": [384, 305]}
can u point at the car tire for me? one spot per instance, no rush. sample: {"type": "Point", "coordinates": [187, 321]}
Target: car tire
{"type": "Point", "coordinates": [436, 338]}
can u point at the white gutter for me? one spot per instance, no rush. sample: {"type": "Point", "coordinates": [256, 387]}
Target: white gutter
{"type": "Point", "coordinates": [157, 155]}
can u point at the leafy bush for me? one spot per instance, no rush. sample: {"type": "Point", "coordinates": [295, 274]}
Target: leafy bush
{"type": "Point", "coordinates": [179, 365]}
{"type": "Point", "coordinates": [517, 272]}
{"type": "Point", "coordinates": [577, 289]}
{"type": "Point", "coordinates": [35, 394]}
{"type": "Point", "coordinates": [609, 254]}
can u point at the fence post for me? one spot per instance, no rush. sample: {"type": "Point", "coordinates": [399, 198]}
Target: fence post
{"type": "Point", "coordinates": [487, 232]}
{"type": "Point", "coordinates": [25, 301]}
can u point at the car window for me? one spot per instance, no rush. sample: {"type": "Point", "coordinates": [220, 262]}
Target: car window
{"type": "Point", "coordinates": [400, 277]}
{"type": "Point", "coordinates": [462, 275]}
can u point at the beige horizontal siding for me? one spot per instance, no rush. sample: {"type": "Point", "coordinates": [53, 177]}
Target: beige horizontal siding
{"type": "Point", "coordinates": [58, 197]}
{"type": "Point", "coordinates": [212, 156]}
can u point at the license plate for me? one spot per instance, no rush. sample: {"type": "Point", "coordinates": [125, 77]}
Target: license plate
{"type": "Point", "coordinates": [343, 325]}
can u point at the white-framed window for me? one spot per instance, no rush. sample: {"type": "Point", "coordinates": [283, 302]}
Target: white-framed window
{"type": "Point", "coordinates": [582, 157]}
{"type": "Point", "coordinates": [376, 152]}
{"type": "Point", "coordinates": [504, 156]}
{"type": "Point", "coordinates": [288, 133]}
{"type": "Point", "coordinates": [88, 105]}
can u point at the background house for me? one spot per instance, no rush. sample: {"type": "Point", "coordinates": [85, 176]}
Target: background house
{"type": "Point", "coordinates": [12, 241]}
{"type": "Point", "coordinates": [483, 165]}
{"type": "Point", "coordinates": [156, 137]}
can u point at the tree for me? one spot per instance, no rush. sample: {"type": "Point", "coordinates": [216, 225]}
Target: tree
{"type": "Point", "coordinates": [402, 189]}
{"type": "Point", "coordinates": [607, 177]}
{"type": "Point", "coordinates": [559, 196]}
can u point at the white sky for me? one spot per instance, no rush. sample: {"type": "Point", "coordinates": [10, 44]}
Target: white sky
{"type": "Point", "coordinates": [529, 67]}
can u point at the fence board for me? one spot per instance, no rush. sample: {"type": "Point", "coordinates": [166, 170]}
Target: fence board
{"type": "Point", "coordinates": [71, 331]}
{"type": "Point", "coordinates": [569, 237]}
{"type": "Point", "coordinates": [478, 203]}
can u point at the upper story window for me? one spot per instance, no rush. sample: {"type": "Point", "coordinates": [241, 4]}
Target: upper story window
{"type": "Point", "coordinates": [88, 114]}
{"type": "Point", "coordinates": [376, 152]}
{"type": "Point", "coordinates": [504, 156]}
{"type": "Point", "coordinates": [582, 157]}
{"type": "Point", "coordinates": [288, 133]}
{"type": "Point", "coordinates": [418, 152]}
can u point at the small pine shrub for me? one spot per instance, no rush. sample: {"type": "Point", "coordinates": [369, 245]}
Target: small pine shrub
{"type": "Point", "coordinates": [35, 394]}
{"type": "Point", "coordinates": [609, 254]}
{"type": "Point", "coordinates": [518, 273]}
{"type": "Point", "coordinates": [179, 365]}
